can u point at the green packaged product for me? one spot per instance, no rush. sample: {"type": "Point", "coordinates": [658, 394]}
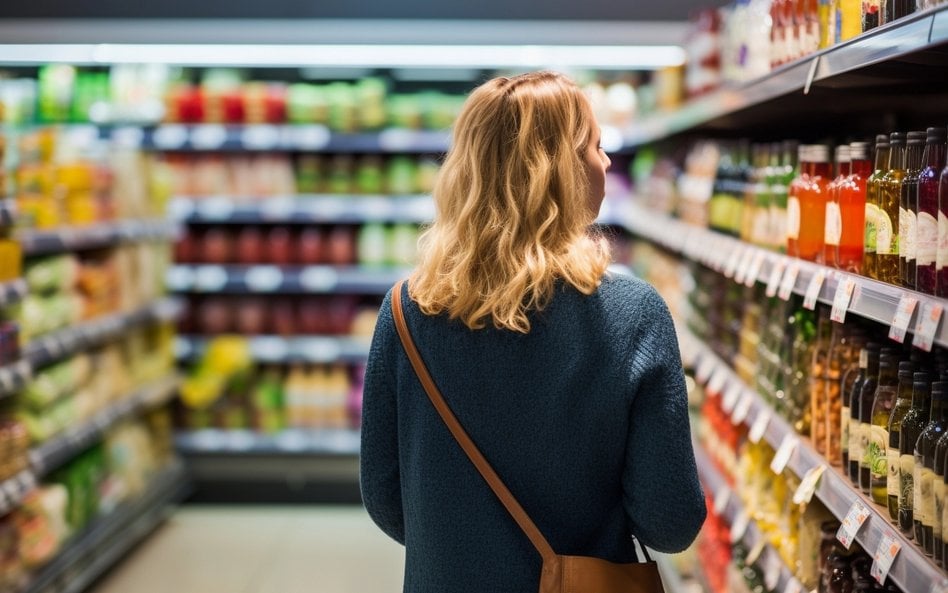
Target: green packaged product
{"type": "Point", "coordinates": [51, 274]}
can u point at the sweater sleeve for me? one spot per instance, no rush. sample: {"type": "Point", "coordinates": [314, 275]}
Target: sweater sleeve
{"type": "Point", "coordinates": [379, 476]}
{"type": "Point", "coordinates": [662, 495]}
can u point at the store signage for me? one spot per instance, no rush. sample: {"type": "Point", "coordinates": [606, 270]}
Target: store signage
{"type": "Point", "coordinates": [853, 520]}
{"type": "Point", "coordinates": [885, 555]}
{"type": "Point", "coordinates": [844, 295]}
{"type": "Point", "coordinates": [903, 316]}
{"type": "Point", "coordinates": [928, 318]}
{"type": "Point", "coordinates": [813, 290]}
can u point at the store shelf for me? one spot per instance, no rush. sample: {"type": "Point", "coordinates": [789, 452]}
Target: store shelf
{"type": "Point", "coordinates": [265, 137]}
{"type": "Point", "coordinates": [96, 236]}
{"type": "Point", "coordinates": [871, 59]}
{"type": "Point", "coordinates": [871, 299]}
{"type": "Point", "coordinates": [61, 344]}
{"type": "Point", "coordinates": [269, 279]}
{"type": "Point", "coordinates": [303, 209]}
{"type": "Point", "coordinates": [912, 570]}
{"type": "Point", "coordinates": [53, 453]}
{"type": "Point", "coordinates": [108, 538]}
{"type": "Point", "coordinates": [289, 442]}
{"type": "Point", "coordinates": [14, 490]}
{"type": "Point", "coordinates": [715, 484]}
{"type": "Point", "coordinates": [12, 292]}
{"type": "Point", "coordinates": [277, 350]}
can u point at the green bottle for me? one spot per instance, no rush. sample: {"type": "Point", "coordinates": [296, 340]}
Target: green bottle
{"type": "Point", "coordinates": [925, 467]}
{"type": "Point", "coordinates": [903, 404]}
{"type": "Point", "coordinates": [913, 423]}
{"type": "Point", "coordinates": [882, 404]}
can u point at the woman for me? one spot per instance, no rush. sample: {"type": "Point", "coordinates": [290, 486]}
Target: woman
{"type": "Point", "coordinates": [567, 378]}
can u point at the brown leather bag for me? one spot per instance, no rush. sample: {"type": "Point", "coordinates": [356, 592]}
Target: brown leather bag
{"type": "Point", "coordinates": [560, 574]}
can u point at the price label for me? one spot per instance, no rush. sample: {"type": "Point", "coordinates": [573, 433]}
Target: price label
{"type": "Point", "coordinates": [721, 498]}
{"type": "Point", "coordinates": [128, 137]}
{"type": "Point", "coordinates": [718, 379]}
{"type": "Point", "coordinates": [216, 209]}
{"type": "Point", "coordinates": [181, 209]}
{"type": "Point", "coordinates": [772, 571]}
{"type": "Point", "coordinates": [755, 552]}
{"type": "Point", "coordinates": [264, 278]}
{"type": "Point", "coordinates": [260, 137]}
{"type": "Point", "coordinates": [398, 139]}
{"type": "Point", "coordinates": [884, 557]}
{"type": "Point", "coordinates": [844, 294]}
{"type": "Point", "coordinates": [789, 281]}
{"type": "Point", "coordinates": [902, 318]}
{"type": "Point", "coordinates": [740, 525]}
{"type": "Point", "coordinates": [278, 208]}
{"type": "Point", "coordinates": [776, 273]}
{"type": "Point", "coordinates": [782, 458]}
{"type": "Point", "coordinates": [928, 318]}
{"type": "Point", "coordinates": [210, 278]}
{"type": "Point", "coordinates": [760, 426]}
{"type": "Point", "coordinates": [742, 409]}
{"type": "Point", "coordinates": [731, 395]}
{"type": "Point", "coordinates": [735, 258]}
{"type": "Point", "coordinates": [319, 350]}
{"type": "Point", "coordinates": [807, 487]}
{"type": "Point", "coordinates": [179, 278]}
{"type": "Point", "coordinates": [319, 279]}
{"type": "Point", "coordinates": [310, 137]}
{"type": "Point", "coordinates": [853, 520]}
{"type": "Point", "coordinates": [813, 290]}
{"type": "Point", "coordinates": [208, 136]}
{"type": "Point", "coordinates": [270, 349]}
{"type": "Point", "coordinates": [753, 273]}
{"type": "Point", "coordinates": [171, 137]}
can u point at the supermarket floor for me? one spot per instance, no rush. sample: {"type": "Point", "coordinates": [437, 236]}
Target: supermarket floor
{"type": "Point", "coordinates": [254, 549]}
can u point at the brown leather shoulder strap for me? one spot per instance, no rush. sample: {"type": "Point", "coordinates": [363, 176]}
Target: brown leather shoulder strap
{"type": "Point", "coordinates": [473, 453]}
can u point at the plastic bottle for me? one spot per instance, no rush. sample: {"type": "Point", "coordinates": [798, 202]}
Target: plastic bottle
{"type": "Point", "coordinates": [873, 205]}
{"type": "Point", "coordinates": [794, 191]}
{"type": "Point", "coordinates": [887, 219]}
{"type": "Point", "coordinates": [852, 205]}
{"type": "Point", "coordinates": [908, 208]}
{"type": "Point", "coordinates": [933, 161]}
{"type": "Point", "coordinates": [833, 232]}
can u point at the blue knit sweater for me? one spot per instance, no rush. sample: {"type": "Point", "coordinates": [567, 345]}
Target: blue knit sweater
{"type": "Point", "coordinates": [584, 418]}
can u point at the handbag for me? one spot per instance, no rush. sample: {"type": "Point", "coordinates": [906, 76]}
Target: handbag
{"type": "Point", "coordinates": [560, 574]}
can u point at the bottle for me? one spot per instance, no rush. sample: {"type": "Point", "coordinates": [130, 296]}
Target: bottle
{"type": "Point", "coordinates": [886, 391]}
{"type": "Point", "coordinates": [933, 161]}
{"type": "Point", "coordinates": [760, 188]}
{"type": "Point", "coordinates": [887, 238]}
{"type": "Point", "coordinates": [904, 8]}
{"type": "Point", "coordinates": [834, 217]}
{"type": "Point", "coordinates": [850, 377]}
{"type": "Point", "coordinates": [783, 159]}
{"type": "Point", "coordinates": [866, 397]}
{"type": "Point", "coordinates": [794, 191]}
{"type": "Point", "coordinates": [813, 198]}
{"type": "Point", "coordinates": [944, 515]}
{"type": "Point", "coordinates": [850, 19]}
{"type": "Point", "coordinates": [797, 397]}
{"type": "Point", "coordinates": [870, 14]}
{"type": "Point", "coordinates": [938, 492]}
{"type": "Point", "coordinates": [913, 423]}
{"type": "Point", "coordinates": [908, 207]}
{"type": "Point", "coordinates": [873, 203]}
{"type": "Point", "coordinates": [852, 205]}
{"type": "Point", "coordinates": [941, 257]}
{"type": "Point", "coordinates": [855, 426]}
{"type": "Point", "coordinates": [903, 404]}
{"type": "Point", "coordinates": [925, 466]}
{"type": "Point", "coordinates": [819, 369]}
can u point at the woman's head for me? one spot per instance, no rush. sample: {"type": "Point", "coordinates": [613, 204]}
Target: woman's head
{"type": "Point", "coordinates": [514, 198]}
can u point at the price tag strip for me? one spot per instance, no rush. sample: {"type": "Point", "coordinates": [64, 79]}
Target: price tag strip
{"type": "Point", "coordinates": [789, 281]}
{"type": "Point", "coordinates": [902, 318]}
{"type": "Point", "coordinates": [782, 458]}
{"type": "Point", "coordinates": [853, 520]}
{"type": "Point", "coordinates": [884, 557]}
{"type": "Point", "coordinates": [928, 318]}
{"type": "Point", "coordinates": [776, 273]}
{"type": "Point", "coordinates": [844, 295]}
{"type": "Point", "coordinates": [808, 484]}
{"type": "Point", "coordinates": [813, 290]}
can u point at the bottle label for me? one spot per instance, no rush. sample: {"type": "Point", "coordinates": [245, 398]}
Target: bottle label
{"type": "Point", "coordinates": [941, 257]}
{"type": "Point", "coordinates": [863, 358]}
{"type": "Point", "coordinates": [918, 496]}
{"type": "Point", "coordinates": [855, 441]}
{"type": "Point", "coordinates": [844, 429]}
{"type": "Point", "coordinates": [926, 244]}
{"type": "Point", "coordinates": [833, 230]}
{"type": "Point", "coordinates": [872, 212]}
{"type": "Point", "coordinates": [793, 218]}
{"type": "Point", "coordinates": [927, 496]}
{"type": "Point", "coordinates": [938, 493]}
{"type": "Point", "coordinates": [944, 512]}
{"type": "Point", "coordinates": [875, 453]}
{"type": "Point", "coordinates": [864, 431]}
{"type": "Point", "coordinates": [907, 482]}
{"type": "Point", "coordinates": [886, 242]}
{"type": "Point", "coordinates": [907, 236]}
{"type": "Point", "coordinates": [892, 484]}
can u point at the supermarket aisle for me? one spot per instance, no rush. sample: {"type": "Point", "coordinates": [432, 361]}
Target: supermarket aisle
{"type": "Point", "coordinates": [239, 549]}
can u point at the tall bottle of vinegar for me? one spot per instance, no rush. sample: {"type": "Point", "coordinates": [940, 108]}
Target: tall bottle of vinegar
{"type": "Point", "coordinates": [887, 220]}
{"type": "Point", "coordinates": [876, 457]}
{"type": "Point", "coordinates": [873, 203]}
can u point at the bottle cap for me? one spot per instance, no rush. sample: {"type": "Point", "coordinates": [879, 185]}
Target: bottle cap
{"type": "Point", "coordinates": [843, 153]}
{"type": "Point", "coordinates": [921, 377]}
{"type": "Point", "coordinates": [936, 135]}
{"type": "Point", "coordinates": [886, 362]}
{"type": "Point", "coordinates": [897, 138]}
{"type": "Point", "coordinates": [940, 390]}
{"type": "Point", "coordinates": [882, 140]}
{"type": "Point", "coordinates": [916, 138]}
{"type": "Point", "coordinates": [819, 153]}
{"type": "Point", "coordinates": [906, 369]}
{"type": "Point", "coordinates": [859, 151]}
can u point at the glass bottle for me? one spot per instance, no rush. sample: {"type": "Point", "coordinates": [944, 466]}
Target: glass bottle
{"type": "Point", "coordinates": [834, 218]}
{"type": "Point", "coordinates": [870, 14]}
{"type": "Point", "coordinates": [925, 466]}
{"type": "Point", "coordinates": [797, 397]}
{"type": "Point", "coordinates": [794, 192]}
{"type": "Point", "coordinates": [913, 423]}
{"type": "Point", "coordinates": [933, 161]}
{"type": "Point", "coordinates": [887, 231]}
{"type": "Point", "coordinates": [941, 257]}
{"type": "Point", "coordinates": [904, 7]}
{"type": "Point", "coordinates": [886, 390]}
{"type": "Point", "coordinates": [908, 207]}
{"type": "Point", "coordinates": [903, 404]}
{"type": "Point", "coordinates": [837, 362]}
{"type": "Point", "coordinates": [819, 370]}
{"type": "Point", "coordinates": [855, 421]}
{"type": "Point", "coordinates": [866, 398]}
{"type": "Point", "coordinates": [873, 204]}
{"type": "Point", "coordinates": [783, 176]}
{"type": "Point", "coordinates": [938, 492]}
{"type": "Point", "coordinates": [850, 377]}
{"type": "Point", "coordinates": [852, 206]}
{"type": "Point", "coordinates": [813, 196]}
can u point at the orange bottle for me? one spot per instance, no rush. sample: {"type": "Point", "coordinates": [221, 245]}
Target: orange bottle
{"type": "Point", "coordinates": [852, 205]}
{"type": "Point", "coordinates": [813, 197]}
{"type": "Point", "coordinates": [834, 218]}
{"type": "Point", "coordinates": [794, 192]}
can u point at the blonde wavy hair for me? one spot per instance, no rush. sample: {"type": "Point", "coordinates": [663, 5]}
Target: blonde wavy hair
{"type": "Point", "coordinates": [511, 200]}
